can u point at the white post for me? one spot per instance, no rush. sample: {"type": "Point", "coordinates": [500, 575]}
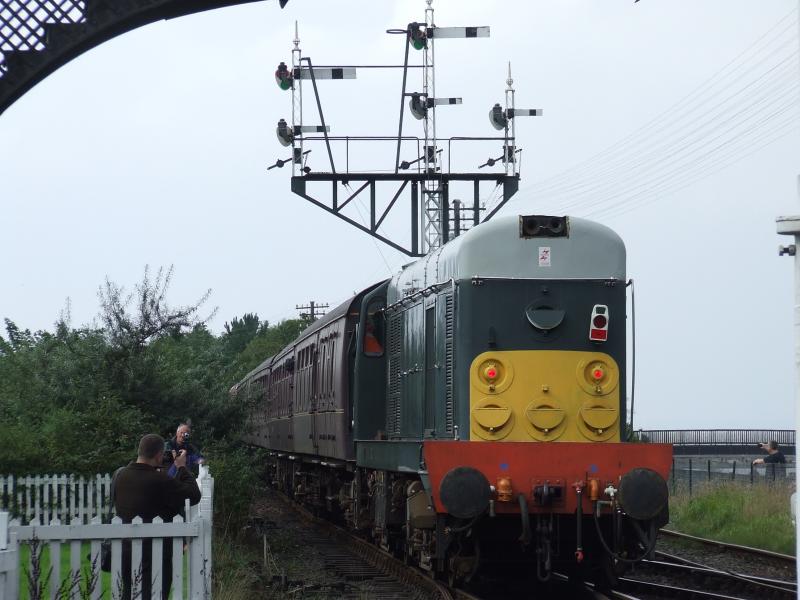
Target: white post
{"type": "Point", "coordinates": [9, 560]}
{"type": "Point", "coordinates": [207, 515]}
{"type": "Point", "coordinates": [791, 226]}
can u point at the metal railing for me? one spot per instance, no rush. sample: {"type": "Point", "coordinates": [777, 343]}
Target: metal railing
{"type": "Point", "coordinates": [719, 441]}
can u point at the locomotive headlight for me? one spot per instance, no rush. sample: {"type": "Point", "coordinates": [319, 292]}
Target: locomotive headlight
{"type": "Point", "coordinates": [491, 373]}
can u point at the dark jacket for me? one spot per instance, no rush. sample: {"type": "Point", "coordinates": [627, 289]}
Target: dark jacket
{"type": "Point", "coordinates": [193, 455]}
{"type": "Point", "coordinates": [143, 491]}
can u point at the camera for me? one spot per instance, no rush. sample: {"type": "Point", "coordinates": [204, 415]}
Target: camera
{"type": "Point", "coordinates": [185, 435]}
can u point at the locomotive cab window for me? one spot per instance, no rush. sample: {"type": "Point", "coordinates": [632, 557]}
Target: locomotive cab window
{"type": "Point", "coordinates": [374, 328]}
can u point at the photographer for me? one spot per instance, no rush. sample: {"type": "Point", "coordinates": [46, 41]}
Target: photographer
{"type": "Point", "coordinates": [179, 443]}
{"type": "Point", "coordinates": [774, 457]}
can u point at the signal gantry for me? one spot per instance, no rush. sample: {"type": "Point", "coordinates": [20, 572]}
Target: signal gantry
{"type": "Point", "coordinates": [425, 181]}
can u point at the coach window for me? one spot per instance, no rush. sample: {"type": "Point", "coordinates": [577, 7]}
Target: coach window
{"type": "Point", "coordinates": [374, 328]}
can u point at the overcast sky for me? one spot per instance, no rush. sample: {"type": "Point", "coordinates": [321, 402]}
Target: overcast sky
{"type": "Point", "coordinates": [153, 148]}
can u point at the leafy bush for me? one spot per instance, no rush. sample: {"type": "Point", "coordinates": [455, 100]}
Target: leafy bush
{"type": "Point", "coordinates": [236, 471]}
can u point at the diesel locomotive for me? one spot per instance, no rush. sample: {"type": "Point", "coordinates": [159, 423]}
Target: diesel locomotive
{"type": "Point", "coordinates": [471, 409]}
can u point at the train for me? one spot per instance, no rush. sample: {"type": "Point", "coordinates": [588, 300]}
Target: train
{"type": "Point", "coordinates": [470, 411]}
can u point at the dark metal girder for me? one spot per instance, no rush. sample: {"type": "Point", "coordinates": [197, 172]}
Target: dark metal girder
{"type": "Point", "coordinates": [102, 20]}
{"type": "Point", "coordinates": [510, 186]}
{"type": "Point", "coordinates": [352, 176]}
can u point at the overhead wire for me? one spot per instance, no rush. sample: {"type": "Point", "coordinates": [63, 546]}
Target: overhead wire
{"type": "Point", "coordinates": [779, 76]}
{"type": "Point", "coordinates": [741, 149]}
{"type": "Point", "coordinates": [363, 220]}
{"type": "Point", "coordinates": [637, 136]}
{"type": "Point", "coordinates": [782, 128]}
{"type": "Point", "coordinates": [654, 170]}
{"type": "Point", "coordinates": [671, 184]}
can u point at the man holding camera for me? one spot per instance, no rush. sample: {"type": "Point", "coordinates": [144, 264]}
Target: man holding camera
{"type": "Point", "coordinates": [141, 490]}
{"type": "Point", "coordinates": [774, 456]}
{"type": "Point", "coordinates": [176, 445]}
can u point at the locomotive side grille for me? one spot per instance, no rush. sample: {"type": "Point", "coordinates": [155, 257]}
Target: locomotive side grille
{"type": "Point", "coordinates": [448, 363]}
{"type": "Point", "coordinates": [394, 346]}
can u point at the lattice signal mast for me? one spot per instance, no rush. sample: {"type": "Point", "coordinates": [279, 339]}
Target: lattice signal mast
{"type": "Point", "coordinates": [433, 218]}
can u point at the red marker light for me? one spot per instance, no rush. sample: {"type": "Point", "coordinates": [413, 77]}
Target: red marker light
{"type": "Point", "coordinates": [597, 373]}
{"type": "Point", "coordinates": [598, 323]}
{"type": "Point", "coordinates": [491, 373]}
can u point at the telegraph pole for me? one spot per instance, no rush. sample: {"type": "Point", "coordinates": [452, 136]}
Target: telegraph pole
{"type": "Point", "coordinates": [315, 310]}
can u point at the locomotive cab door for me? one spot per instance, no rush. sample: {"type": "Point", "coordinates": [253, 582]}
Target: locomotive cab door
{"type": "Point", "coordinates": [368, 408]}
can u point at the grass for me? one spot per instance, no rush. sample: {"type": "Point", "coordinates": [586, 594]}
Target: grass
{"type": "Point", "coordinates": [236, 568]}
{"type": "Point", "coordinates": [755, 515]}
{"type": "Point", "coordinates": [64, 570]}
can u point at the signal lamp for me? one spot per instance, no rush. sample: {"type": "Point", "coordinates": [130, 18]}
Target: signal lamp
{"type": "Point", "coordinates": [598, 373]}
{"type": "Point", "coordinates": [417, 36]}
{"type": "Point", "coordinates": [283, 77]}
{"type": "Point", "coordinates": [418, 105]}
{"type": "Point", "coordinates": [598, 324]}
{"type": "Point", "coordinates": [491, 372]}
{"type": "Point", "coordinates": [497, 117]}
{"type": "Point", "coordinates": [284, 133]}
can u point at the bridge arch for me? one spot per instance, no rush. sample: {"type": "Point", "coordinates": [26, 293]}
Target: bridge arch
{"type": "Point", "coordinates": [37, 37]}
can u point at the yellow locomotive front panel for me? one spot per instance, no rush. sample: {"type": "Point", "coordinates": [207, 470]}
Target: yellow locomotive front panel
{"type": "Point", "coordinates": [544, 395]}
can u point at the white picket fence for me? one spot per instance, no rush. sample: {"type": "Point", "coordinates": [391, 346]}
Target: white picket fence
{"type": "Point", "coordinates": [44, 498]}
{"type": "Point", "coordinates": [195, 532]}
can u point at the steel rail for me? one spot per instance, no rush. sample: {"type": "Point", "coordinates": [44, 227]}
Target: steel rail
{"type": "Point", "coordinates": [788, 584]}
{"type": "Point", "coordinates": [671, 591]}
{"type": "Point", "coordinates": [719, 544]}
{"type": "Point", "coordinates": [776, 585]}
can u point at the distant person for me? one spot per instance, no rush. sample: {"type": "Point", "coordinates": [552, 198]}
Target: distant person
{"type": "Point", "coordinates": [181, 443]}
{"type": "Point", "coordinates": [372, 347]}
{"type": "Point", "coordinates": [774, 457]}
{"type": "Point", "coordinates": [142, 490]}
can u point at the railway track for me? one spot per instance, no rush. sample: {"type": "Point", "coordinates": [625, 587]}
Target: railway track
{"type": "Point", "coordinates": [358, 569]}
{"type": "Point", "coordinates": [786, 558]}
{"type": "Point", "coordinates": [733, 572]}
{"type": "Point", "coordinates": [355, 568]}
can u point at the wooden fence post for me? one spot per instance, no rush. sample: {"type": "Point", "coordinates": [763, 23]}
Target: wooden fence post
{"type": "Point", "coordinates": [207, 517]}
{"type": "Point", "coordinates": [9, 560]}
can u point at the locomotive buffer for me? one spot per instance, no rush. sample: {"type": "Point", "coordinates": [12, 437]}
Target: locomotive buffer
{"type": "Point", "coordinates": [424, 182]}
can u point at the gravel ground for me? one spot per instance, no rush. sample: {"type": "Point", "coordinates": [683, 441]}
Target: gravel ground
{"type": "Point", "coordinates": [303, 562]}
